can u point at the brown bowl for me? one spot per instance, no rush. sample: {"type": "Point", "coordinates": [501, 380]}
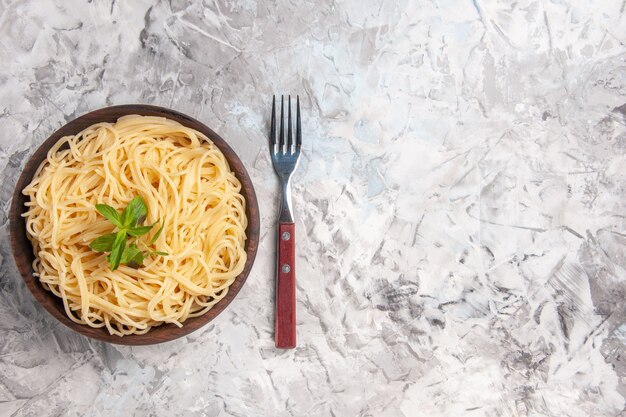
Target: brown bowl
{"type": "Point", "coordinates": [23, 250]}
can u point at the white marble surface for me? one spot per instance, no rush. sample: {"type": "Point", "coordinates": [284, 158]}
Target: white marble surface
{"type": "Point", "coordinates": [460, 204]}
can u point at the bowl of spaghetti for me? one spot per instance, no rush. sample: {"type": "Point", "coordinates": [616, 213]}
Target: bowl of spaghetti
{"type": "Point", "coordinates": [134, 224]}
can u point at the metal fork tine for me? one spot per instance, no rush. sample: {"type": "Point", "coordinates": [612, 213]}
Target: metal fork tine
{"type": "Point", "coordinates": [298, 127]}
{"type": "Point", "coordinates": [281, 136]}
{"type": "Point", "coordinates": [273, 126]}
{"type": "Point", "coordinates": [289, 134]}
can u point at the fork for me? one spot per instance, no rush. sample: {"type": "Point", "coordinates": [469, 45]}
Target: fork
{"type": "Point", "coordinates": [285, 156]}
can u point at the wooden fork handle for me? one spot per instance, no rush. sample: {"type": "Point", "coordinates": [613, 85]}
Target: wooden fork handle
{"type": "Point", "coordinates": [286, 287]}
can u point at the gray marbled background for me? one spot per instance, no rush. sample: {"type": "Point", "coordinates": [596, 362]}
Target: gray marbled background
{"type": "Point", "coordinates": [460, 204]}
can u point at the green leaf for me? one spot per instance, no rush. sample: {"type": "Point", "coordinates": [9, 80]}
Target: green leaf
{"type": "Point", "coordinates": [158, 233]}
{"type": "Point", "coordinates": [137, 261]}
{"type": "Point", "coordinates": [133, 212]}
{"type": "Point", "coordinates": [110, 213]}
{"type": "Point", "coordinates": [103, 243]}
{"type": "Point", "coordinates": [140, 230]}
{"type": "Point", "coordinates": [118, 249]}
{"type": "Point", "coordinates": [129, 223]}
{"type": "Point", "coordinates": [129, 253]}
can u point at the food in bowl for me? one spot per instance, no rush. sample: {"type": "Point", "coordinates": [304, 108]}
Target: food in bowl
{"type": "Point", "coordinates": [135, 224]}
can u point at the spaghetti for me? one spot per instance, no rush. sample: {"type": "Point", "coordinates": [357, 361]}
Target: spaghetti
{"type": "Point", "coordinates": [186, 183]}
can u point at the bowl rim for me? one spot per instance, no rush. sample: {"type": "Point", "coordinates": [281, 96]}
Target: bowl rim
{"type": "Point", "coordinates": [23, 251]}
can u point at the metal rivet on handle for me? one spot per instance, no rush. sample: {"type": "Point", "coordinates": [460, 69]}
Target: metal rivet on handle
{"type": "Point", "coordinates": [286, 236]}
{"type": "Point", "coordinates": [286, 268]}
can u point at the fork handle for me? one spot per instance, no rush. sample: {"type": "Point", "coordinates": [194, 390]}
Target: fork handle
{"type": "Point", "coordinates": [286, 287]}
